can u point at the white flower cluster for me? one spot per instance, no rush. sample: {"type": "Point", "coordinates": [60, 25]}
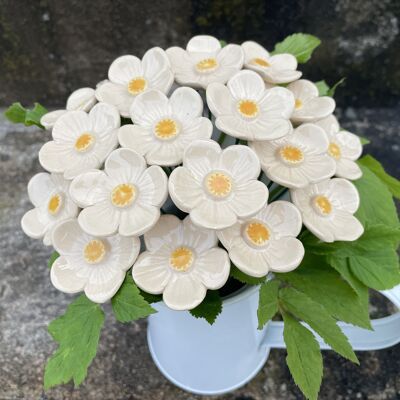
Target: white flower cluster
{"type": "Point", "coordinates": [97, 199]}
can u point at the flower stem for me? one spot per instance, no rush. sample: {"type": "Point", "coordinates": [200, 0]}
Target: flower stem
{"type": "Point", "coordinates": [277, 192]}
{"type": "Point", "coordinates": [222, 138]}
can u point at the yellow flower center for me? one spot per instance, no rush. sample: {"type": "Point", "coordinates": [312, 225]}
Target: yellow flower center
{"type": "Point", "coordinates": [137, 85]}
{"type": "Point", "coordinates": [207, 65]}
{"type": "Point", "coordinates": [94, 251]}
{"type": "Point", "coordinates": [84, 142]}
{"type": "Point", "coordinates": [123, 195]}
{"type": "Point", "coordinates": [166, 129]}
{"type": "Point", "coordinates": [261, 61]}
{"type": "Point", "coordinates": [334, 151]}
{"type": "Point", "coordinates": [322, 205]}
{"type": "Point", "coordinates": [219, 184]}
{"type": "Point", "coordinates": [55, 203]}
{"type": "Point", "coordinates": [298, 104]}
{"type": "Point", "coordinates": [257, 233]}
{"type": "Point", "coordinates": [181, 259]}
{"type": "Point", "coordinates": [291, 154]}
{"type": "Point", "coordinates": [248, 108]}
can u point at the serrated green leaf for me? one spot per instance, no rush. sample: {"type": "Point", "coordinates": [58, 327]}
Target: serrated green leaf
{"type": "Point", "coordinates": [244, 278]}
{"type": "Point", "coordinates": [77, 333]}
{"type": "Point", "coordinates": [376, 167]}
{"type": "Point", "coordinates": [52, 258]}
{"type": "Point", "coordinates": [33, 116]}
{"type": "Point", "coordinates": [150, 298]}
{"type": "Point", "coordinates": [304, 357]}
{"type": "Point", "coordinates": [323, 88]}
{"type": "Point", "coordinates": [315, 315]}
{"type": "Point", "coordinates": [210, 307]}
{"type": "Point", "coordinates": [301, 45]}
{"type": "Point", "coordinates": [128, 305]}
{"type": "Point", "coordinates": [317, 280]}
{"type": "Point", "coordinates": [332, 90]}
{"type": "Point", "coordinates": [267, 302]}
{"type": "Point", "coordinates": [20, 115]}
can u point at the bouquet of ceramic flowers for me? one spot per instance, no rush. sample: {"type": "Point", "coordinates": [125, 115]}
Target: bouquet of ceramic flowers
{"type": "Point", "coordinates": [230, 166]}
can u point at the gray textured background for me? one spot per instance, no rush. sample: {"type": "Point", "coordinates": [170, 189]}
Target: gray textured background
{"type": "Point", "coordinates": [49, 48]}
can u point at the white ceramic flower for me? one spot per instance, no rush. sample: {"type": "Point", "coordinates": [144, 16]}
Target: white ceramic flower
{"type": "Point", "coordinates": [309, 107]}
{"type": "Point", "coordinates": [204, 62]}
{"type": "Point", "coordinates": [277, 69]}
{"type": "Point", "coordinates": [125, 197]}
{"type": "Point", "coordinates": [129, 76]}
{"type": "Point", "coordinates": [82, 99]}
{"type": "Point", "coordinates": [327, 209]}
{"type": "Point", "coordinates": [81, 141]}
{"type": "Point", "coordinates": [344, 148]}
{"type": "Point", "coordinates": [182, 261]}
{"type": "Point", "coordinates": [91, 264]}
{"type": "Point", "coordinates": [217, 186]}
{"type": "Point", "coordinates": [267, 241]}
{"type": "Point", "coordinates": [297, 159]}
{"type": "Point", "coordinates": [246, 109]}
{"type": "Point", "coordinates": [49, 194]}
{"type": "Point", "coordinates": [165, 127]}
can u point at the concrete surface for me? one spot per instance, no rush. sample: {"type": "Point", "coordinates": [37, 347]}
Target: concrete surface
{"type": "Point", "coordinates": [123, 368]}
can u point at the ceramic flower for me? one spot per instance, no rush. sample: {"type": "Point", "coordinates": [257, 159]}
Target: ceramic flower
{"type": "Point", "coordinates": [267, 241]}
{"type": "Point", "coordinates": [182, 261]}
{"type": "Point", "coordinates": [81, 99]}
{"type": "Point", "coordinates": [218, 186]}
{"type": "Point", "coordinates": [49, 194]}
{"type": "Point", "coordinates": [129, 76]}
{"type": "Point", "coordinates": [309, 107]}
{"type": "Point", "coordinates": [327, 209]}
{"type": "Point", "coordinates": [297, 159]}
{"type": "Point", "coordinates": [204, 62]}
{"type": "Point", "coordinates": [81, 141]}
{"type": "Point", "coordinates": [344, 148]}
{"type": "Point", "coordinates": [246, 109]}
{"type": "Point", "coordinates": [165, 127]}
{"type": "Point", "coordinates": [277, 69]}
{"type": "Point", "coordinates": [91, 264]}
{"type": "Point", "coordinates": [125, 197]}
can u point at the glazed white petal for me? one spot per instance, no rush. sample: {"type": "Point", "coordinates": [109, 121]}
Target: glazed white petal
{"type": "Point", "coordinates": [318, 168]}
{"type": "Point", "coordinates": [344, 195]}
{"type": "Point", "coordinates": [183, 66]}
{"type": "Point", "coordinates": [82, 99]}
{"type": "Point", "coordinates": [125, 250]}
{"type": "Point", "coordinates": [212, 215]}
{"type": "Point", "coordinates": [277, 102]}
{"type": "Point", "coordinates": [350, 145]}
{"type": "Point", "coordinates": [154, 61]}
{"type": "Point", "coordinates": [203, 44]}
{"type": "Point", "coordinates": [197, 128]}
{"type": "Point", "coordinates": [165, 154]}
{"type": "Point", "coordinates": [153, 186]}
{"type": "Point", "coordinates": [68, 237]}
{"type": "Point", "coordinates": [117, 95]}
{"type": "Point", "coordinates": [314, 109]}
{"type": "Point", "coordinates": [138, 219]}
{"type": "Point", "coordinates": [92, 160]}
{"type": "Point", "coordinates": [184, 190]}
{"type": "Point", "coordinates": [186, 103]}
{"type": "Point", "coordinates": [219, 99]}
{"type": "Point", "coordinates": [70, 126]}
{"type": "Point", "coordinates": [249, 198]}
{"type": "Point", "coordinates": [285, 254]}
{"type": "Point", "coordinates": [310, 138]}
{"type": "Point", "coordinates": [278, 76]}
{"type": "Point", "coordinates": [65, 277]}
{"type": "Point", "coordinates": [329, 124]}
{"type": "Point", "coordinates": [303, 89]}
{"type": "Point", "coordinates": [230, 59]}
{"type": "Point", "coordinates": [197, 238]}
{"type": "Point", "coordinates": [100, 219]}
{"type": "Point", "coordinates": [184, 292]}
{"type": "Point", "coordinates": [212, 268]}
{"type": "Point", "coordinates": [151, 272]}
{"type": "Point", "coordinates": [35, 223]}
{"type": "Point", "coordinates": [246, 85]}
{"type": "Point", "coordinates": [90, 188]}
{"type": "Point", "coordinates": [254, 50]}
{"type": "Point", "coordinates": [167, 230]}
{"type": "Point", "coordinates": [136, 138]}
{"type": "Point", "coordinates": [125, 68]}
{"type": "Point", "coordinates": [283, 61]}
{"type": "Point", "coordinates": [104, 118]}
{"type": "Point", "coordinates": [49, 119]}
{"type": "Point", "coordinates": [348, 169]}
{"type": "Point", "coordinates": [346, 227]}
{"type": "Point", "coordinates": [124, 166]}
{"type": "Point", "coordinates": [241, 162]}
{"type": "Point", "coordinates": [40, 187]}
{"type": "Point", "coordinates": [162, 81]}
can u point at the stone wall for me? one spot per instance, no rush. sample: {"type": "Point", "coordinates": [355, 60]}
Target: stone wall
{"type": "Point", "coordinates": [50, 47]}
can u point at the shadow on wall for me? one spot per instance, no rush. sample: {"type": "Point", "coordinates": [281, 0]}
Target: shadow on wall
{"type": "Point", "coordinates": [49, 48]}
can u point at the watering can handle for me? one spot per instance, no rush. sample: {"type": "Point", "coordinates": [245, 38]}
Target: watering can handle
{"type": "Point", "coordinates": [386, 331]}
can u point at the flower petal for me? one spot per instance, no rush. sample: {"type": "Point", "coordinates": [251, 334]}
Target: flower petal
{"type": "Point", "coordinates": [35, 223]}
{"type": "Point", "coordinates": [165, 154]}
{"type": "Point", "coordinates": [203, 44]}
{"type": "Point", "coordinates": [219, 99]}
{"type": "Point", "coordinates": [284, 255]}
{"type": "Point", "coordinates": [348, 169]}
{"type": "Point", "coordinates": [70, 126]}
{"type": "Point", "coordinates": [186, 103]}
{"type": "Point", "coordinates": [168, 230]}
{"type": "Point", "coordinates": [49, 119]}
{"type": "Point", "coordinates": [138, 219]}
{"type": "Point", "coordinates": [68, 238]}
{"type": "Point", "coordinates": [40, 187]}
{"type": "Point", "coordinates": [230, 59]}
{"type": "Point", "coordinates": [162, 81]}
{"type": "Point", "coordinates": [197, 238]}
{"type": "Point", "coordinates": [329, 124]}
{"type": "Point", "coordinates": [153, 186]}
{"type": "Point", "coordinates": [212, 268]}
{"type": "Point", "coordinates": [283, 61]}
{"type": "Point", "coordinates": [314, 109]}
{"type": "Point", "coordinates": [65, 278]}
{"type": "Point", "coordinates": [100, 219]}
{"type": "Point", "coordinates": [92, 160]}
{"type": "Point", "coordinates": [136, 138]}
{"type": "Point", "coordinates": [117, 95]}
{"type": "Point", "coordinates": [246, 85]}
{"type": "Point", "coordinates": [212, 215]}
{"type": "Point", "coordinates": [229, 235]}
{"type": "Point", "coordinates": [303, 90]}
{"type": "Point", "coordinates": [253, 50]}
{"type": "Point", "coordinates": [104, 118]}
{"type": "Point", "coordinates": [344, 195]}
{"type": "Point", "coordinates": [350, 145]}
{"type": "Point", "coordinates": [125, 68]}
{"type": "Point", "coordinates": [81, 99]}
{"type": "Point", "coordinates": [279, 76]}
{"type": "Point", "coordinates": [154, 61]}
{"type": "Point", "coordinates": [277, 102]}
{"type": "Point", "coordinates": [311, 138]}
{"type": "Point", "coordinates": [184, 292]}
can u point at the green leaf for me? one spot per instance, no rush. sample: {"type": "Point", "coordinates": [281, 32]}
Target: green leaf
{"type": "Point", "coordinates": [19, 115]}
{"type": "Point", "coordinates": [323, 88]}
{"type": "Point", "coordinates": [150, 298]}
{"type": "Point", "coordinates": [268, 302]}
{"type": "Point", "coordinates": [364, 140]}
{"type": "Point", "coordinates": [301, 45]}
{"type": "Point", "coordinates": [317, 280]}
{"type": "Point", "coordinates": [223, 43]}
{"type": "Point", "coordinates": [128, 305]}
{"type": "Point", "coordinates": [376, 167]}
{"type": "Point", "coordinates": [244, 278]}
{"type": "Point", "coordinates": [332, 90]}
{"type": "Point", "coordinates": [317, 317]}
{"type": "Point", "coordinates": [77, 332]}
{"type": "Point", "coordinates": [304, 357]}
{"type": "Point", "coordinates": [210, 307]}
{"type": "Point", "coordinates": [52, 258]}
